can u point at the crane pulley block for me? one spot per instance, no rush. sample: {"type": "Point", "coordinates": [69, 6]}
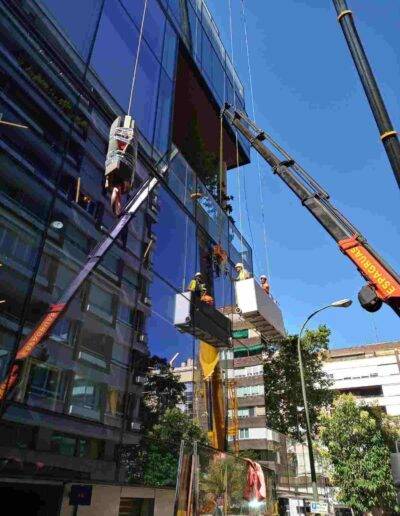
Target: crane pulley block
{"type": "Point", "coordinates": [121, 159]}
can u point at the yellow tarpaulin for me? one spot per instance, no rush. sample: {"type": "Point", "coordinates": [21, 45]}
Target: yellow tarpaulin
{"type": "Point", "coordinates": [208, 356]}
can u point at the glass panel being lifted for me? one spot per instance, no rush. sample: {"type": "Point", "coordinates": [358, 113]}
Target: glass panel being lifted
{"type": "Point", "coordinates": [259, 308]}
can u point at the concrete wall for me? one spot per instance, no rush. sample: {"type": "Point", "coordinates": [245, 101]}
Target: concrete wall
{"type": "Point", "coordinates": [105, 500]}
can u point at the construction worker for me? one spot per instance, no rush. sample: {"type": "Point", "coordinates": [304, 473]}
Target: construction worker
{"type": "Point", "coordinates": [264, 283]}
{"type": "Point", "coordinates": [199, 288]}
{"type": "Point", "coordinates": [242, 272]}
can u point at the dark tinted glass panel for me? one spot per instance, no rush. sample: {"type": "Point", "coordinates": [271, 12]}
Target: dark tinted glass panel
{"type": "Point", "coordinates": [77, 19]}
{"type": "Point", "coordinates": [154, 27]}
{"type": "Point", "coordinates": [169, 52]}
{"type": "Point", "coordinates": [163, 120]}
{"type": "Point", "coordinates": [115, 51]}
{"type": "Point", "coordinates": [63, 444]}
{"type": "Point", "coordinates": [145, 91]}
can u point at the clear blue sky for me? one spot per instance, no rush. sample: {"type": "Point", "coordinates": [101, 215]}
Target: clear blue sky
{"type": "Point", "coordinates": [308, 96]}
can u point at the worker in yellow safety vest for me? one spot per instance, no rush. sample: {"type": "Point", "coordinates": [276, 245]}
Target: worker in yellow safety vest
{"type": "Point", "coordinates": [242, 272]}
{"type": "Point", "coordinates": [199, 288]}
{"type": "Point", "coordinates": [264, 283]}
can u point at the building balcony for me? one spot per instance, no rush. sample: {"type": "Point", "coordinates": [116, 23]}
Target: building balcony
{"type": "Point", "coordinates": [194, 195]}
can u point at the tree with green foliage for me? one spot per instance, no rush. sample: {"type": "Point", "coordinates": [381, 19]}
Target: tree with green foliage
{"type": "Point", "coordinates": [162, 443]}
{"type": "Point", "coordinates": [224, 477]}
{"type": "Point", "coordinates": [163, 390]}
{"type": "Point", "coordinates": [356, 442]}
{"type": "Point", "coordinates": [283, 398]}
{"type": "Point", "coordinates": [203, 162]}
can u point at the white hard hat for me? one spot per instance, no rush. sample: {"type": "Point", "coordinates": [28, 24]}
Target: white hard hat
{"type": "Point", "coordinates": [197, 274]}
{"type": "Point", "coordinates": [239, 265]}
{"type": "Point", "coordinates": [263, 276]}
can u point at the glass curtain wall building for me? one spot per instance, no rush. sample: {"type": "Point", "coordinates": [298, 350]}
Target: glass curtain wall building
{"type": "Point", "coordinates": [65, 73]}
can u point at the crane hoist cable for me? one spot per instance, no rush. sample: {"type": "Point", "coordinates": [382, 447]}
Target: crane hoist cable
{"type": "Point", "coordinates": [236, 137]}
{"type": "Point", "coordinates": [262, 206]}
{"type": "Point", "coordinates": [122, 144]}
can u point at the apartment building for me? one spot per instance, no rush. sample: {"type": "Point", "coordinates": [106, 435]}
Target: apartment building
{"type": "Point", "coordinates": [370, 372]}
{"type": "Point", "coordinates": [186, 374]}
{"type": "Point", "coordinates": [66, 73]}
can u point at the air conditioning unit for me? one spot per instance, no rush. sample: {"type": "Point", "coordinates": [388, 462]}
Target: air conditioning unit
{"type": "Point", "coordinates": [142, 337]}
{"type": "Point", "coordinates": [147, 301]}
{"type": "Point", "coordinates": [141, 379]}
{"type": "Point", "coordinates": [135, 425]}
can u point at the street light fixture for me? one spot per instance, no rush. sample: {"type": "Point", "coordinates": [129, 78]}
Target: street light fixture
{"type": "Point", "coordinates": [342, 303]}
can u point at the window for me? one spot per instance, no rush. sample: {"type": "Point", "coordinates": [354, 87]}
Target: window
{"type": "Point", "coordinates": [246, 412]}
{"type": "Point", "coordinates": [240, 334]}
{"type": "Point", "coordinates": [63, 444]}
{"type": "Point", "coordinates": [126, 314]}
{"type": "Point", "coordinates": [90, 448]}
{"type": "Point", "coordinates": [75, 240]}
{"type": "Point", "coordinates": [115, 50]}
{"type": "Point", "coordinates": [163, 117]}
{"type": "Point", "coordinates": [136, 506]}
{"type": "Point", "coordinates": [7, 342]}
{"type": "Point", "coordinates": [45, 382]}
{"type": "Point", "coordinates": [115, 402]}
{"type": "Point", "coordinates": [72, 446]}
{"type": "Point", "coordinates": [100, 302]}
{"type": "Point", "coordinates": [130, 278]}
{"type": "Point", "coordinates": [244, 433]}
{"type": "Point", "coordinates": [61, 330]}
{"type": "Point", "coordinates": [111, 262]}
{"type": "Point", "coordinates": [154, 27]}
{"type": "Point", "coordinates": [251, 390]}
{"type": "Point", "coordinates": [86, 393]}
{"type": "Point", "coordinates": [240, 372]}
{"type": "Point", "coordinates": [95, 348]}
{"type": "Point", "coordinates": [169, 52]}
{"type": "Point", "coordinates": [145, 93]}
{"type": "Point", "coordinates": [87, 203]}
{"type": "Point", "coordinates": [65, 13]}
{"type": "Point", "coordinates": [17, 246]}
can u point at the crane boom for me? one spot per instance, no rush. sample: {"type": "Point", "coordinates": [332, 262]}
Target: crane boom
{"type": "Point", "coordinates": [383, 283]}
{"type": "Point", "coordinates": [42, 329]}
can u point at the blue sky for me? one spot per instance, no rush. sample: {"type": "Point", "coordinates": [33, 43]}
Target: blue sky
{"type": "Point", "coordinates": [308, 96]}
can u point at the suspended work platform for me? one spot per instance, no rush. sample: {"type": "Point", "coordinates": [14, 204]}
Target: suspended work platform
{"type": "Point", "coordinates": [201, 320]}
{"type": "Point", "coordinates": [259, 309]}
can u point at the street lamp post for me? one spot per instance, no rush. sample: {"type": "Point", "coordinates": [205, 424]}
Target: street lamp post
{"type": "Point", "coordinates": [343, 303]}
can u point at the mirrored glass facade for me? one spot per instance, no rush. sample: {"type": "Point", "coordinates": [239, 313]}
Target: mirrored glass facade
{"type": "Point", "coordinates": [65, 74]}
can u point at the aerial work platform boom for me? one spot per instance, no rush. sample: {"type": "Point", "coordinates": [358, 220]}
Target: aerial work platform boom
{"type": "Point", "coordinates": [383, 282]}
{"type": "Point", "coordinates": [42, 329]}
